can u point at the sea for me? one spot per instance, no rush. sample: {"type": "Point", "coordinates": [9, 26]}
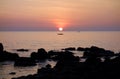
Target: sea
{"type": "Point", "coordinates": [51, 40]}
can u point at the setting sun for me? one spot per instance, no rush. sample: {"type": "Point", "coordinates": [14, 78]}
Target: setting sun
{"type": "Point", "coordinates": [60, 29]}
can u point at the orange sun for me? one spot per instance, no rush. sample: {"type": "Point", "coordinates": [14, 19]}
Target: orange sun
{"type": "Point", "coordinates": [60, 29]}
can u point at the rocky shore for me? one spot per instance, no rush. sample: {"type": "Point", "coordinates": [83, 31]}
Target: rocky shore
{"type": "Point", "coordinates": [99, 63]}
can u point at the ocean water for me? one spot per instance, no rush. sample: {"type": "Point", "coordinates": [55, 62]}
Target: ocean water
{"type": "Point", "coordinates": [52, 41]}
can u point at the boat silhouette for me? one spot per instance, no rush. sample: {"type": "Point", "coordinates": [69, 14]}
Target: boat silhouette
{"type": "Point", "coordinates": [59, 33]}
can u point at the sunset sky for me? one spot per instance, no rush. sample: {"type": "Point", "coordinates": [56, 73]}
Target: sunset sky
{"type": "Point", "coordinates": [72, 15]}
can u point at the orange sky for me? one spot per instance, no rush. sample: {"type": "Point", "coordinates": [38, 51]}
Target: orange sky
{"type": "Point", "coordinates": [51, 14]}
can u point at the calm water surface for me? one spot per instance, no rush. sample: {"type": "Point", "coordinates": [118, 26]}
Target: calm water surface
{"type": "Point", "coordinates": [50, 41]}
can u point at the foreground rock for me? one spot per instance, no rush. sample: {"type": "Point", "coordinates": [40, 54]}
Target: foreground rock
{"type": "Point", "coordinates": [92, 68]}
{"type": "Point", "coordinates": [69, 66]}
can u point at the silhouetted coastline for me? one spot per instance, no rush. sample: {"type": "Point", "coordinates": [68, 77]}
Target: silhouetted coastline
{"type": "Point", "coordinates": [69, 66]}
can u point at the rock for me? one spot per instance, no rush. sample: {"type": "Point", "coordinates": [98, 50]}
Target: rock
{"type": "Point", "coordinates": [1, 48]}
{"type": "Point", "coordinates": [48, 66]}
{"type": "Point", "coordinates": [80, 49]}
{"type": "Point", "coordinates": [7, 56]}
{"type": "Point", "coordinates": [45, 70]}
{"type": "Point", "coordinates": [52, 54]}
{"type": "Point", "coordinates": [70, 49]}
{"type": "Point", "coordinates": [92, 60]}
{"type": "Point", "coordinates": [98, 52]}
{"type": "Point", "coordinates": [68, 67]}
{"type": "Point", "coordinates": [12, 73]}
{"type": "Point", "coordinates": [40, 55]}
{"type": "Point", "coordinates": [24, 61]}
{"type": "Point", "coordinates": [66, 56]}
{"type": "Point", "coordinates": [23, 50]}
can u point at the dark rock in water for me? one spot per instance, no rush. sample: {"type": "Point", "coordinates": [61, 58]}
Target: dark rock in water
{"type": "Point", "coordinates": [23, 50]}
{"type": "Point", "coordinates": [24, 61]}
{"type": "Point", "coordinates": [1, 48]}
{"type": "Point", "coordinates": [52, 54]}
{"type": "Point", "coordinates": [63, 55]}
{"type": "Point", "coordinates": [116, 60]}
{"type": "Point", "coordinates": [48, 66]}
{"type": "Point", "coordinates": [96, 51]}
{"type": "Point", "coordinates": [42, 50]}
{"type": "Point", "coordinates": [41, 54]}
{"type": "Point", "coordinates": [12, 73]}
{"type": "Point", "coordinates": [7, 56]}
{"type": "Point", "coordinates": [34, 55]}
{"type": "Point", "coordinates": [80, 49]}
{"type": "Point", "coordinates": [44, 71]}
{"type": "Point", "coordinates": [92, 60]}
{"type": "Point", "coordinates": [70, 49]}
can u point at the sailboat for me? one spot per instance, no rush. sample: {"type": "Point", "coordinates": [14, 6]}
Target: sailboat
{"type": "Point", "coordinates": [60, 33]}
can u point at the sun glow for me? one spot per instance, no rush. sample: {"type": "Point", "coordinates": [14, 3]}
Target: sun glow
{"type": "Point", "coordinates": [60, 29]}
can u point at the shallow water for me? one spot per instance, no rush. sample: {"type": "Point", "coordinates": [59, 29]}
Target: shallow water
{"type": "Point", "coordinates": [51, 41]}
